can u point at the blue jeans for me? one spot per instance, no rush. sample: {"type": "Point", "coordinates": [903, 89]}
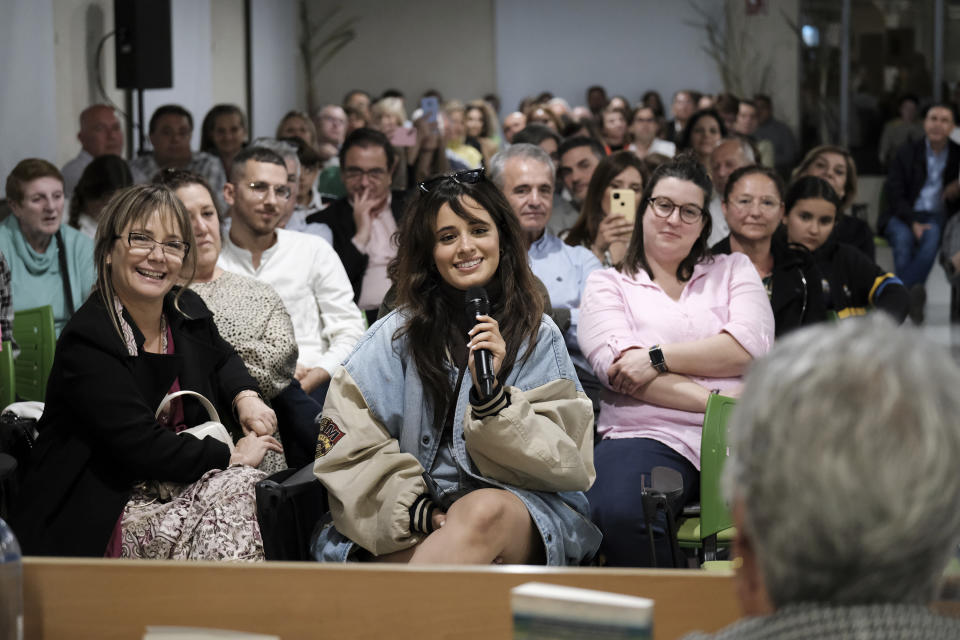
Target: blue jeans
{"type": "Point", "coordinates": [913, 259]}
{"type": "Point", "coordinates": [615, 506]}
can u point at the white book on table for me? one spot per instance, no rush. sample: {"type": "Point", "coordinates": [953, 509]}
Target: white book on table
{"type": "Point", "coordinates": [197, 633]}
{"type": "Point", "coordinates": [549, 611]}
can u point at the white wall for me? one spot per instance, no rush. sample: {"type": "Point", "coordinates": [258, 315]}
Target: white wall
{"type": "Point", "coordinates": [228, 51]}
{"type": "Point", "coordinates": [28, 115]}
{"type": "Point", "coordinates": [628, 46]}
{"type": "Point", "coordinates": [413, 46]}
{"type": "Point", "coordinates": [79, 25]}
{"type": "Point", "coordinates": [192, 86]}
{"type": "Point", "coordinates": [276, 74]}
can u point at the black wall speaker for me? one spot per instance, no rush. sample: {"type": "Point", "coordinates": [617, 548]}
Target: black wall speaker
{"type": "Point", "coordinates": [144, 52]}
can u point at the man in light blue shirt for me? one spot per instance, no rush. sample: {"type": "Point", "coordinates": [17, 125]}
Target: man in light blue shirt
{"type": "Point", "coordinates": [525, 175]}
{"type": "Point", "coordinates": [921, 192]}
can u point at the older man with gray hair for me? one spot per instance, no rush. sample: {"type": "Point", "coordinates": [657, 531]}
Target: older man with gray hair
{"type": "Point", "coordinates": [844, 485]}
{"type": "Point", "coordinates": [733, 152]}
{"type": "Point", "coordinates": [525, 175]}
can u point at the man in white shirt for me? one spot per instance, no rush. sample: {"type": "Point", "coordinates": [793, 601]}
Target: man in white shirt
{"type": "Point", "coordinates": [304, 269]}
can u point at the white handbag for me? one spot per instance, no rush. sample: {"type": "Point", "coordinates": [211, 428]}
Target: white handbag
{"type": "Point", "coordinates": [210, 429]}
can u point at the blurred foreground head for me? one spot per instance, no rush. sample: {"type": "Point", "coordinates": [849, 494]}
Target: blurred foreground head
{"type": "Point", "coordinates": [843, 468]}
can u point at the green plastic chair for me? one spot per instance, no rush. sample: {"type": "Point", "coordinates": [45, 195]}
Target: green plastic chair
{"type": "Point", "coordinates": [34, 332]}
{"type": "Point", "coordinates": [714, 526]}
{"type": "Point", "coordinates": [7, 378]}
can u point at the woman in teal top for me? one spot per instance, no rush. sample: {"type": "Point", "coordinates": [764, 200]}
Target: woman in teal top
{"type": "Point", "coordinates": [50, 264]}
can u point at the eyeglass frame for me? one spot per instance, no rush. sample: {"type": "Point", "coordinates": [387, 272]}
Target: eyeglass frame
{"type": "Point", "coordinates": [364, 173]}
{"type": "Point", "coordinates": [263, 196]}
{"type": "Point", "coordinates": [467, 176]}
{"type": "Point", "coordinates": [754, 201]}
{"type": "Point", "coordinates": [674, 207]}
{"type": "Point", "coordinates": [163, 245]}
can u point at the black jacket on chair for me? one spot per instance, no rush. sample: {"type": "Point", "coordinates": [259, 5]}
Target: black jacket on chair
{"type": "Point", "coordinates": [905, 179]}
{"type": "Point", "coordinates": [98, 436]}
{"type": "Point", "coordinates": [339, 217]}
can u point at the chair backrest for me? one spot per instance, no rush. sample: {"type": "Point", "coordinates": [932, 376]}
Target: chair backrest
{"type": "Point", "coordinates": [34, 332]}
{"type": "Point", "coordinates": [714, 512]}
{"type": "Point", "coordinates": [7, 377]}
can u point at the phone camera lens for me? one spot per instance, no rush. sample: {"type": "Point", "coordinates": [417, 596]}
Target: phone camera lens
{"type": "Point", "coordinates": [616, 196]}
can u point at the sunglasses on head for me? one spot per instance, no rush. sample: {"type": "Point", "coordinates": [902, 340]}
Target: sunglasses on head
{"type": "Point", "coordinates": [470, 176]}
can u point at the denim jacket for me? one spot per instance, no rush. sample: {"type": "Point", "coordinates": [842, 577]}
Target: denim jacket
{"type": "Point", "coordinates": [377, 437]}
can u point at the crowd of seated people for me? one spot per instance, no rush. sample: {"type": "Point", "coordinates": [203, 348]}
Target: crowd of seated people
{"type": "Point", "coordinates": [314, 285]}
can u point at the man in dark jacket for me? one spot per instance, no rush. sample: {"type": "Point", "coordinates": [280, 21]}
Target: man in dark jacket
{"type": "Point", "coordinates": [363, 222]}
{"type": "Point", "coordinates": [922, 190]}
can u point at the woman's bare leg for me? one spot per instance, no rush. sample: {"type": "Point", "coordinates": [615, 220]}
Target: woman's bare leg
{"type": "Point", "coordinates": [482, 527]}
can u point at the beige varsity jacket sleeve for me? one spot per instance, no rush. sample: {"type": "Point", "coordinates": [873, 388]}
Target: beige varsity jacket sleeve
{"type": "Point", "coordinates": [371, 483]}
{"type": "Point", "coordinates": [542, 441]}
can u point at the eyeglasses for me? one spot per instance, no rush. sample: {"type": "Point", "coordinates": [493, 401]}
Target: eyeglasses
{"type": "Point", "coordinates": [470, 176]}
{"type": "Point", "coordinates": [260, 190]}
{"type": "Point", "coordinates": [355, 173]}
{"type": "Point", "coordinates": [664, 207]}
{"type": "Point", "coordinates": [766, 205]}
{"type": "Point", "coordinates": [141, 244]}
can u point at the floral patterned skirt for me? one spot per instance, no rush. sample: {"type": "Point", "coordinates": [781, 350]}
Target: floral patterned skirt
{"type": "Point", "coordinates": [215, 518]}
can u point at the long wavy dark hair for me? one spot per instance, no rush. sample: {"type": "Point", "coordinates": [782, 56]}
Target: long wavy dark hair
{"type": "Point", "coordinates": [430, 322]}
{"type": "Point", "coordinates": [683, 167]}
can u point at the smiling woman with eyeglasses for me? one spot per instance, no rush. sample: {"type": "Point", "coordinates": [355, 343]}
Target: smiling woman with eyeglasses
{"type": "Point", "coordinates": [661, 331]}
{"type": "Point", "coordinates": [107, 477]}
{"type": "Point", "coordinates": [753, 206]}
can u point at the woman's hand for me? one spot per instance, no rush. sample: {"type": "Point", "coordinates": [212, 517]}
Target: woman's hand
{"type": "Point", "coordinates": [255, 416]}
{"type": "Point", "coordinates": [251, 448]}
{"type": "Point", "coordinates": [631, 372]}
{"type": "Point", "coordinates": [613, 228]}
{"type": "Point", "coordinates": [485, 335]}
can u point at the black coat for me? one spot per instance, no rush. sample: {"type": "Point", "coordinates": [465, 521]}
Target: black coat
{"type": "Point", "coordinates": [339, 217]}
{"type": "Point", "coordinates": [855, 284]}
{"type": "Point", "coordinates": [906, 176]}
{"type": "Point", "coordinates": [796, 296]}
{"type": "Point", "coordinates": [98, 436]}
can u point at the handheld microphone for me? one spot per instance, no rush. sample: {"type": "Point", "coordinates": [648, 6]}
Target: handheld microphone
{"type": "Point", "coordinates": [477, 304]}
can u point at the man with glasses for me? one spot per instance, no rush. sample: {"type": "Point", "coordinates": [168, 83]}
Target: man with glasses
{"type": "Point", "coordinates": [363, 222]}
{"type": "Point", "coordinates": [304, 269]}
{"type": "Point", "coordinates": [525, 175]}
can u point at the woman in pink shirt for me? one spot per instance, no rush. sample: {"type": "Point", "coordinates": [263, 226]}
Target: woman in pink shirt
{"type": "Point", "coordinates": [661, 332]}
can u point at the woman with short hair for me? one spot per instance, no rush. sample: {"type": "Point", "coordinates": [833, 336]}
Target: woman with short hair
{"type": "Point", "coordinates": [50, 263]}
{"type": "Point", "coordinates": [753, 206]}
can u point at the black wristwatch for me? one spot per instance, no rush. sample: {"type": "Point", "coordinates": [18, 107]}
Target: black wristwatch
{"type": "Point", "coordinates": [656, 359]}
